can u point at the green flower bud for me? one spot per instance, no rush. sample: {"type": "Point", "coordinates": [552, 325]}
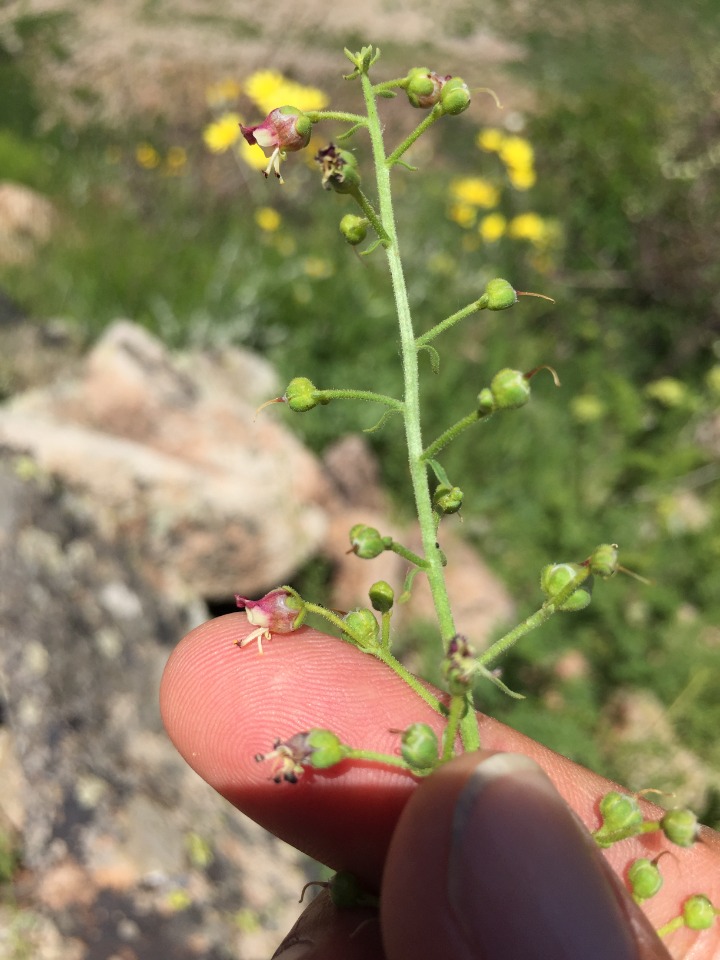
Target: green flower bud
{"type": "Point", "coordinates": [339, 169]}
{"type": "Point", "coordinates": [347, 891]}
{"type": "Point", "coordinates": [301, 395]}
{"type": "Point", "coordinates": [621, 816]}
{"type": "Point", "coordinates": [556, 576]}
{"type": "Point", "coordinates": [698, 912]}
{"type": "Point", "coordinates": [680, 827]}
{"type": "Point", "coordinates": [645, 879]}
{"type": "Point", "coordinates": [447, 499]}
{"type": "Point", "coordinates": [455, 96]}
{"type": "Point", "coordinates": [499, 295]}
{"type": "Point", "coordinates": [510, 389]}
{"type": "Point", "coordinates": [366, 542]}
{"type": "Point", "coordinates": [364, 627]}
{"type": "Point", "coordinates": [419, 748]}
{"type": "Point", "coordinates": [604, 560]}
{"type": "Point", "coordinates": [424, 87]}
{"type": "Point", "coordinates": [382, 596]}
{"type": "Point", "coordinates": [325, 749]}
{"type": "Point", "coordinates": [486, 403]}
{"type": "Point", "coordinates": [353, 228]}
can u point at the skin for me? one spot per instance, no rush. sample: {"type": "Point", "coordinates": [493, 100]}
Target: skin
{"type": "Point", "coordinates": [222, 705]}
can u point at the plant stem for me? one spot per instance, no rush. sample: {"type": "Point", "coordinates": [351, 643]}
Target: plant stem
{"type": "Point", "coordinates": [429, 120]}
{"type": "Point", "coordinates": [359, 395]}
{"type": "Point", "coordinates": [444, 439]}
{"type": "Point", "coordinates": [458, 705]}
{"type": "Point", "coordinates": [410, 679]}
{"type": "Point", "coordinates": [550, 607]}
{"type": "Point", "coordinates": [448, 322]}
{"type": "Point", "coordinates": [411, 412]}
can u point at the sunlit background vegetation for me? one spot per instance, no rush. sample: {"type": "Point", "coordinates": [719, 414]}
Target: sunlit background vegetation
{"type": "Point", "coordinates": [600, 190]}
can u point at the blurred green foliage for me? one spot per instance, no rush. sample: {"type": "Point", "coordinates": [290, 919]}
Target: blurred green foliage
{"type": "Point", "coordinates": [621, 453]}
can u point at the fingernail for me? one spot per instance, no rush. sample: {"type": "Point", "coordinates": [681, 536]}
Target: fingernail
{"type": "Point", "coordinates": [293, 948]}
{"type": "Point", "coordinates": [523, 877]}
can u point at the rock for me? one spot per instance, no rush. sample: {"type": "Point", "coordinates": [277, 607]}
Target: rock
{"type": "Point", "coordinates": [171, 460]}
{"type": "Point", "coordinates": [102, 806]}
{"type": "Point", "coordinates": [645, 749]}
{"type": "Point", "coordinates": [26, 222]}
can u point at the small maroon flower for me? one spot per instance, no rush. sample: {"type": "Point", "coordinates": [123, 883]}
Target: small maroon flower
{"type": "Point", "coordinates": [284, 130]}
{"type": "Point", "coordinates": [280, 611]}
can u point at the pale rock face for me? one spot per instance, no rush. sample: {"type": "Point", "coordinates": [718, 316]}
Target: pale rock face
{"type": "Point", "coordinates": [171, 460]}
{"type": "Point", "coordinates": [27, 219]}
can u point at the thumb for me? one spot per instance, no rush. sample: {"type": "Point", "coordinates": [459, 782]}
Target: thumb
{"type": "Point", "coordinates": [489, 863]}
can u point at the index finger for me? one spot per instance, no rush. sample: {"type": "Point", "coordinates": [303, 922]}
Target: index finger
{"type": "Point", "coordinates": [222, 705]}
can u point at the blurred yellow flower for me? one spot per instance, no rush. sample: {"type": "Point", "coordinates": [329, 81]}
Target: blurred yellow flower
{"type": "Point", "coordinates": [490, 139]}
{"type": "Point", "coordinates": [270, 89]}
{"type": "Point", "coordinates": [222, 93]}
{"type": "Point", "coordinates": [268, 219]}
{"type": "Point", "coordinates": [318, 268]}
{"type": "Point", "coordinates": [492, 227]}
{"type": "Point", "coordinates": [529, 226]}
{"type": "Point", "coordinates": [147, 156]}
{"type": "Point", "coordinates": [476, 191]}
{"type": "Point", "coordinates": [517, 153]}
{"type": "Point", "coordinates": [222, 133]}
{"type": "Point", "coordinates": [463, 214]}
{"type": "Point", "coordinates": [668, 391]}
{"type": "Point", "coordinates": [522, 178]}
{"type": "Point", "coordinates": [251, 154]}
{"type": "Point", "coordinates": [176, 159]}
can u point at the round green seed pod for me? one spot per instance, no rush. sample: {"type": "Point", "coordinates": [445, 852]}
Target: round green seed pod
{"type": "Point", "coordinates": [645, 879]}
{"type": "Point", "coordinates": [698, 912]}
{"type": "Point", "coordinates": [326, 749]}
{"type": "Point", "coordinates": [556, 576]}
{"type": "Point", "coordinates": [499, 295]}
{"type": "Point", "coordinates": [604, 560]}
{"type": "Point", "coordinates": [423, 88]}
{"type": "Point", "coordinates": [364, 627]}
{"type": "Point", "coordinates": [419, 747]}
{"type": "Point", "coordinates": [300, 395]}
{"type": "Point", "coordinates": [366, 541]}
{"type": "Point", "coordinates": [621, 816]}
{"type": "Point", "coordinates": [353, 228]}
{"type": "Point", "coordinates": [382, 596]}
{"type": "Point", "coordinates": [347, 891]}
{"type": "Point", "coordinates": [510, 389]}
{"type": "Point", "coordinates": [680, 827]}
{"type": "Point", "coordinates": [455, 96]}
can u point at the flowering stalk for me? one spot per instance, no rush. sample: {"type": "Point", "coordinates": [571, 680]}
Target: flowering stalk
{"type": "Point", "coordinates": [411, 413]}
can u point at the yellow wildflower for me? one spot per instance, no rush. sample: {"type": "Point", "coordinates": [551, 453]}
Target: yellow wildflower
{"type": "Point", "coordinates": [517, 153]}
{"type": "Point", "coordinates": [147, 156]}
{"type": "Point", "coordinates": [252, 155]}
{"type": "Point", "coordinates": [268, 219]}
{"type": "Point", "coordinates": [318, 268]}
{"type": "Point", "coordinates": [463, 214]}
{"type": "Point", "coordinates": [522, 178]}
{"type": "Point", "coordinates": [529, 226]}
{"type": "Point", "coordinates": [219, 94]}
{"type": "Point", "coordinates": [475, 191]}
{"type": "Point", "coordinates": [490, 139]}
{"type": "Point", "coordinates": [492, 227]}
{"type": "Point", "coordinates": [270, 89]}
{"type": "Point", "coordinates": [220, 135]}
{"type": "Point", "coordinates": [176, 159]}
